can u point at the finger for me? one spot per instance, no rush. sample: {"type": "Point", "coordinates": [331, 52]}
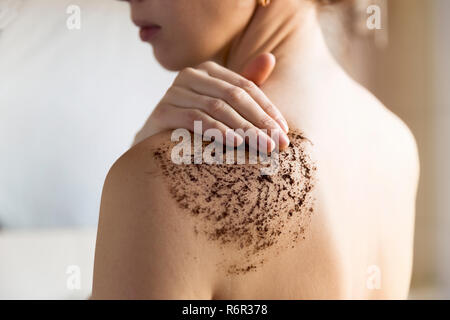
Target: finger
{"type": "Point", "coordinates": [179, 117]}
{"type": "Point", "coordinates": [222, 112]}
{"type": "Point", "coordinates": [237, 98]}
{"type": "Point", "coordinates": [256, 93]}
{"type": "Point", "coordinates": [260, 68]}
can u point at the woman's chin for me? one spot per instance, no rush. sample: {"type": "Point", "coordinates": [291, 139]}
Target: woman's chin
{"type": "Point", "coordinates": [168, 62]}
{"type": "Point", "coordinates": [172, 63]}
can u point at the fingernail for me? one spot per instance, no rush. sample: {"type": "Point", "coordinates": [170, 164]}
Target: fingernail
{"type": "Point", "coordinates": [281, 138]}
{"type": "Point", "coordinates": [284, 140]}
{"type": "Point", "coordinates": [266, 144]}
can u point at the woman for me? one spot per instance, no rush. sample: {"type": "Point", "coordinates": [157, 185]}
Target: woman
{"type": "Point", "coordinates": [357, 243]}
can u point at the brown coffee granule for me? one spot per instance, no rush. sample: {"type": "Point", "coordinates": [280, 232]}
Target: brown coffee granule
{"type": "Point", "coordinates": [235, 205]}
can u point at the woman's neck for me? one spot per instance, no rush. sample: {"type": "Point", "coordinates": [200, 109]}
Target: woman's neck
{"type": "Point", "coordinates": [290, 30]}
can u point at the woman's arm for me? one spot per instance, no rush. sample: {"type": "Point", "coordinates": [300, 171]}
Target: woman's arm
{"type": "Point", "coordinates": [144, 249]}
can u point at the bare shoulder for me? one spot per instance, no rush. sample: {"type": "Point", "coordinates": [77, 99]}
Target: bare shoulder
{"type": "Point", "coordinates": [143, 249]}
{"type": "Point", "coordinates": [401, 147]}
{"type": "Point", "coordinates": [188, 224]}
{"type": "Point", "coordinates": [409, 149]}
{"type": "Point", "coordinates": [389, 135]}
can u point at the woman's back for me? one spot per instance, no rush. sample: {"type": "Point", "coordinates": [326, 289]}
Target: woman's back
{"type": "Point", "coordinates": [359, 244]}
{"type": "Point", "coordinates": [356, 221]}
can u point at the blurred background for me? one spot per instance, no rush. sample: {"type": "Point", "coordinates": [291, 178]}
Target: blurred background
{"type": "Point", "coordinates": [73, 96]}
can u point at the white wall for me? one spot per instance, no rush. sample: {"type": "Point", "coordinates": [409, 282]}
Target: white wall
{"type": "Point", "coordinates": [41, 264]}
{"type": "Point", "coordinates": [70, 104]}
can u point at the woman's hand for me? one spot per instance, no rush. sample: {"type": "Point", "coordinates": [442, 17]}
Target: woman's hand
{"type": "Point", "coordinates": [220, 99]}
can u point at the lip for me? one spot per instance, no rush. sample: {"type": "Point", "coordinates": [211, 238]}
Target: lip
{"type": "Point", "coordinates": [147, 33]}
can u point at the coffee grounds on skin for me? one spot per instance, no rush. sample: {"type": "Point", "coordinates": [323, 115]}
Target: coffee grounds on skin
{"type": "Point", "coordinates": [237, 206]}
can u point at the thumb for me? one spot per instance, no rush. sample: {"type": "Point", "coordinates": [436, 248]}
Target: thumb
{"type": "Point", "coordinates": [259, 69]}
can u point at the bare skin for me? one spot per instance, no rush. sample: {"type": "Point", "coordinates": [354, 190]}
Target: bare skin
{"type": "Point", "coordinates": [367, 175]}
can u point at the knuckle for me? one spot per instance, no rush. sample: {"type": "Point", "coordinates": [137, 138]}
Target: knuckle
{"type": "Point", "coordinates": [274, 113]}
{"type": "Point", "coordinates": [172, 91]}
{"type": "Point", "coordinates": [244, 125]}
{"type": "Point", "coordinates": [206, 65]}
{"type": "Point", "coordinates": [186, 72]}
{"type": "Point", "coordinates": [159, 112]}
{"type": "Point", "coordinates": [193, 115]}
{"type": "Point", "coordinates": [247, 85]}
{"type": "Point", "coordinates": [280, 119]}
{"type": "Point", "coordinates": [216, 124]}
{"type": "Point", "coordinates": [215, 105]}
{"type": "Point", "coordinates": [234, 94]}
{"type": "Point", "coordinates": [270, 109]}
{"type": "Point", "coordinates": [267, 121]}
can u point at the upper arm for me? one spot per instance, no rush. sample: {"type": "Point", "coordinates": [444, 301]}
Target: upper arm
{"type": "Point", "coordinates": [143, 250]}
